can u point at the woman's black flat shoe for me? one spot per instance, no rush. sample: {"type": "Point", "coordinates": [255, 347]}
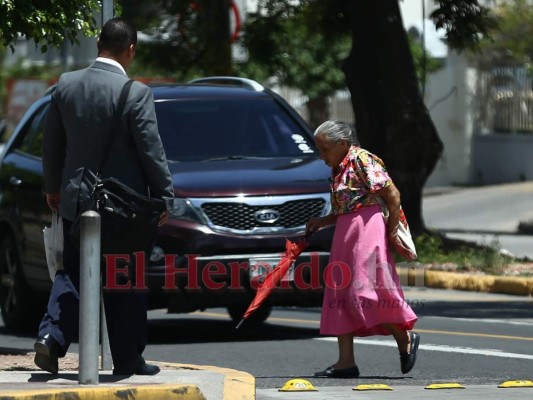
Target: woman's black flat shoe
{"type": "Point", "coordinates": [330, 372]}
{"type": "Point", "coordinates": [408, 360]}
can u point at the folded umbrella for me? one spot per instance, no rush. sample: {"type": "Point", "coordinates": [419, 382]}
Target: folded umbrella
{"type": "Point", "coordinates": [272, 279]}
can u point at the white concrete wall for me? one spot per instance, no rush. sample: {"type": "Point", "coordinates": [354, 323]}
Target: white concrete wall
{"type": "Point", "coordinates": [502, 158]}
{"type": "Point", "coordinates": [449, 96]}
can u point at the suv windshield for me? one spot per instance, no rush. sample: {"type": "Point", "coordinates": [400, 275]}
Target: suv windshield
{"type": "Point", "coordinates": [235, 129]}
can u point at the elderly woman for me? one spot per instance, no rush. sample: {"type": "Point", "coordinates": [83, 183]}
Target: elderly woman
{"type": "Point", "coordinates": [363, 296]}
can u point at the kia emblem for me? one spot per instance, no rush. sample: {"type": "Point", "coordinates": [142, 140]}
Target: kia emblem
{"type": "Point", "coordinates": [267, 216]}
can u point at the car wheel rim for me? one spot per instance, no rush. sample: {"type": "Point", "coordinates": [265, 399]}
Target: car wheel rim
{"type": "Point", "coordinates": [7, 281]}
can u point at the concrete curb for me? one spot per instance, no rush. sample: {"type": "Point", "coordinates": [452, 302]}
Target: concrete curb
{"type": "Point", "coordinates": [423, 277]}
{"type": "Point", "coordinates": [237, 385]}
{"type": "Point", "coordinates": [130, 392]}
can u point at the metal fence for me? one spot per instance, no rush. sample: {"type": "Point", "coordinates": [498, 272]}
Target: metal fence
{"type": "Point", "coordinates": [339, 105]}
{"type": "Point", "coordinates": [505, 100]}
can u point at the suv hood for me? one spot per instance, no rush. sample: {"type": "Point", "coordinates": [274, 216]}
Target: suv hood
{"type": "Point", "coordinates": [274, 176]}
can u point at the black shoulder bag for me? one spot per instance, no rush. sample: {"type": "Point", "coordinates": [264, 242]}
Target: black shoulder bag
{"type": "Point", "coordinates": [129, 220]}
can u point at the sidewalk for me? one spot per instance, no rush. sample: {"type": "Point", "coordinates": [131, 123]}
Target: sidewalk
{"type": "Point", "coordinates": [175, 381]}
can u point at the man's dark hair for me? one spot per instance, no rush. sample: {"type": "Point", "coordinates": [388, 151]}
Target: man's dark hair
{"type": "Point", "coordinates": [116, 36]}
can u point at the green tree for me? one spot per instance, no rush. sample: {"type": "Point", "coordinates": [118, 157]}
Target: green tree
{"type": "Point", "coordinates": [283, 42]}
{"type": "Point", "coordinates": [47, 22]}
{"type": "Point", "coordinates": [512, 38]}
{"type": "Point", "coordinates": [184, 38]}
{"type": "Point", "coordinates": [391, 117]}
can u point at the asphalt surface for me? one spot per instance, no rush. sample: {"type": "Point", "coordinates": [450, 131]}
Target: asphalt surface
{"type": "Point", "coordinates": [477, 340]}
{"type": "Point", "coordinates": [488, 215]}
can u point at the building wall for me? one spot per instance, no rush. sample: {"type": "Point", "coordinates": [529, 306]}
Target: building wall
{"type": "Point", "coordinates": [502, 159]}
{"type": "Point", "coordinates": [449, 97]}
{"type": "Point", "coordinates": [472, 155]}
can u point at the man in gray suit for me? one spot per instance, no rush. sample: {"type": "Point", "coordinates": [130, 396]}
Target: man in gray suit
{"type": "Point", "coordinates": [76, 134]}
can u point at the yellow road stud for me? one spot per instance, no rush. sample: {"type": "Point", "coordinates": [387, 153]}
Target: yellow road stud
{"type": "Point", "coordinates": [375, 386]}
{"type": "Point", "coordinates": [444, 386]}
{"type": "Point", "coordinates": [513, 384]}
{"type": "Point", "coordinates": [297, 385]}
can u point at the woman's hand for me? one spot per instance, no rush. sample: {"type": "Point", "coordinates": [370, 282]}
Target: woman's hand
{"type": "Point", "coordinates": [316, 223]}
{"type": "Point", "coordinates": [394, 240]}
{"type": "Point", "coordinates": [398, 245]}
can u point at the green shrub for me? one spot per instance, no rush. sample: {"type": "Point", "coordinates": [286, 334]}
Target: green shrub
{"type": "Point", "coordinates": [465, 256]}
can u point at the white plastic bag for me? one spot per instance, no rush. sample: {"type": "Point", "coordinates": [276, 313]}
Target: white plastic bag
{"type": "Point", "coordinates": [53, 245]}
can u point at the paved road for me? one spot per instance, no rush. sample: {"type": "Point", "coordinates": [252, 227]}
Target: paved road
{"type": "Point", "coordinates": [488, 214]}
{"type": "Point", "coordinates": [469, 338]}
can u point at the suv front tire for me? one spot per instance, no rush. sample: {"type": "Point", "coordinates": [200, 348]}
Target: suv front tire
{"type": "Point", "coordinates": [21, 310]}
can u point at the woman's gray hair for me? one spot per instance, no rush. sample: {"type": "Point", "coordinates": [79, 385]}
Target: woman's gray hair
{"type": "Point", "coordinates": [335, 131]}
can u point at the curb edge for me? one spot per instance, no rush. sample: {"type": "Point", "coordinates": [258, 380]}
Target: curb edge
{"type": "Point", "coordinates": [238, 385]}
{"type": "Point", "coordinates": [519, 286]}
{"type": "Point", "coordinates": [134, 392]}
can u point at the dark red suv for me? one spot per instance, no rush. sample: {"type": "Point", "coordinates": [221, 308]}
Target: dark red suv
{"type": "Point", "coordinates": [246, 178]}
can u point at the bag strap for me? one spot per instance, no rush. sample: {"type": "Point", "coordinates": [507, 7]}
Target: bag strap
{"type": "Point", "coordinates": [358, 166]}
{"type": "Point", "coordinates": [379, 199]}
{"type": "Point", "coordinates": [115, 124]}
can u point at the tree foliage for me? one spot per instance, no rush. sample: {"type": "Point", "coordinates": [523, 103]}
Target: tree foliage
{"type": "Point", "coordinates": [47, 22]}
{"type": "Point", "coordinates": [425, 64]}
{"type": "Point", "coordinates": [513, 35]}
{"type": "Point", "coordinates": [182, 38]}
{"type": "Point", "coordinates": [466, 22]}
{"type": "Point", "coordinates": [283, 41]}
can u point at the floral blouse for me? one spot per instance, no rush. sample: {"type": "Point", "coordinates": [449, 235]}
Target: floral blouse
{"type": "Point", "coordinates": [349, 191]}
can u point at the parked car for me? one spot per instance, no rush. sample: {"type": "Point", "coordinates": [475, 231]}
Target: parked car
{"type": "Point", "coordinates": [247, 176]}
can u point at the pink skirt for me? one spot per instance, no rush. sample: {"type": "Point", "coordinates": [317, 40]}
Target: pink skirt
{"type": "Point", "coordinates": [362, 288]}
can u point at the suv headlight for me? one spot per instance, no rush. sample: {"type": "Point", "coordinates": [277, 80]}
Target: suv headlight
{"type": "Point", "coordinates": [183, 209]}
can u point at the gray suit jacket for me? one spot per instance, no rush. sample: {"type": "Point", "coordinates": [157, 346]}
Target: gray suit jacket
{"type": "Point", "coordinates": [78, 126]}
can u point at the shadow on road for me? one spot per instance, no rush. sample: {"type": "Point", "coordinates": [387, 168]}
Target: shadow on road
{"type": "Point", "coordinates": [184, 330]}
{"type": "Point", "coordinates": [477, 309]}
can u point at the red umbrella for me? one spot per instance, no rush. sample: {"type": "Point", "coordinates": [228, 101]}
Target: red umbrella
{"type": "Point", "coordinates": [273, 278]}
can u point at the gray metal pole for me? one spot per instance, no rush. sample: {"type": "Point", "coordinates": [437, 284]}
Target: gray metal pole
{"type": "Point", "coordinates": [107, 11]}
{"type": "Point", "coordinates": [105, 349]}
{"type": "Point", "coordinates": [89, 297]}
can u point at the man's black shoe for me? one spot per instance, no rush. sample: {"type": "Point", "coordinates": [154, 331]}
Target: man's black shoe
{"type": "Point", "coordinates": [408, 360]}
{"type": "Point", "coordinates": [143, 369]}
{"type": "Point", "coordinates": [330, 372]}
{"type": "Point", "coordinates": [46, 349]}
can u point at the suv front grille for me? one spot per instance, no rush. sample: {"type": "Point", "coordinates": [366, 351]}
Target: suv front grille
{"type": "Point", "coordinates": [241, 217]}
